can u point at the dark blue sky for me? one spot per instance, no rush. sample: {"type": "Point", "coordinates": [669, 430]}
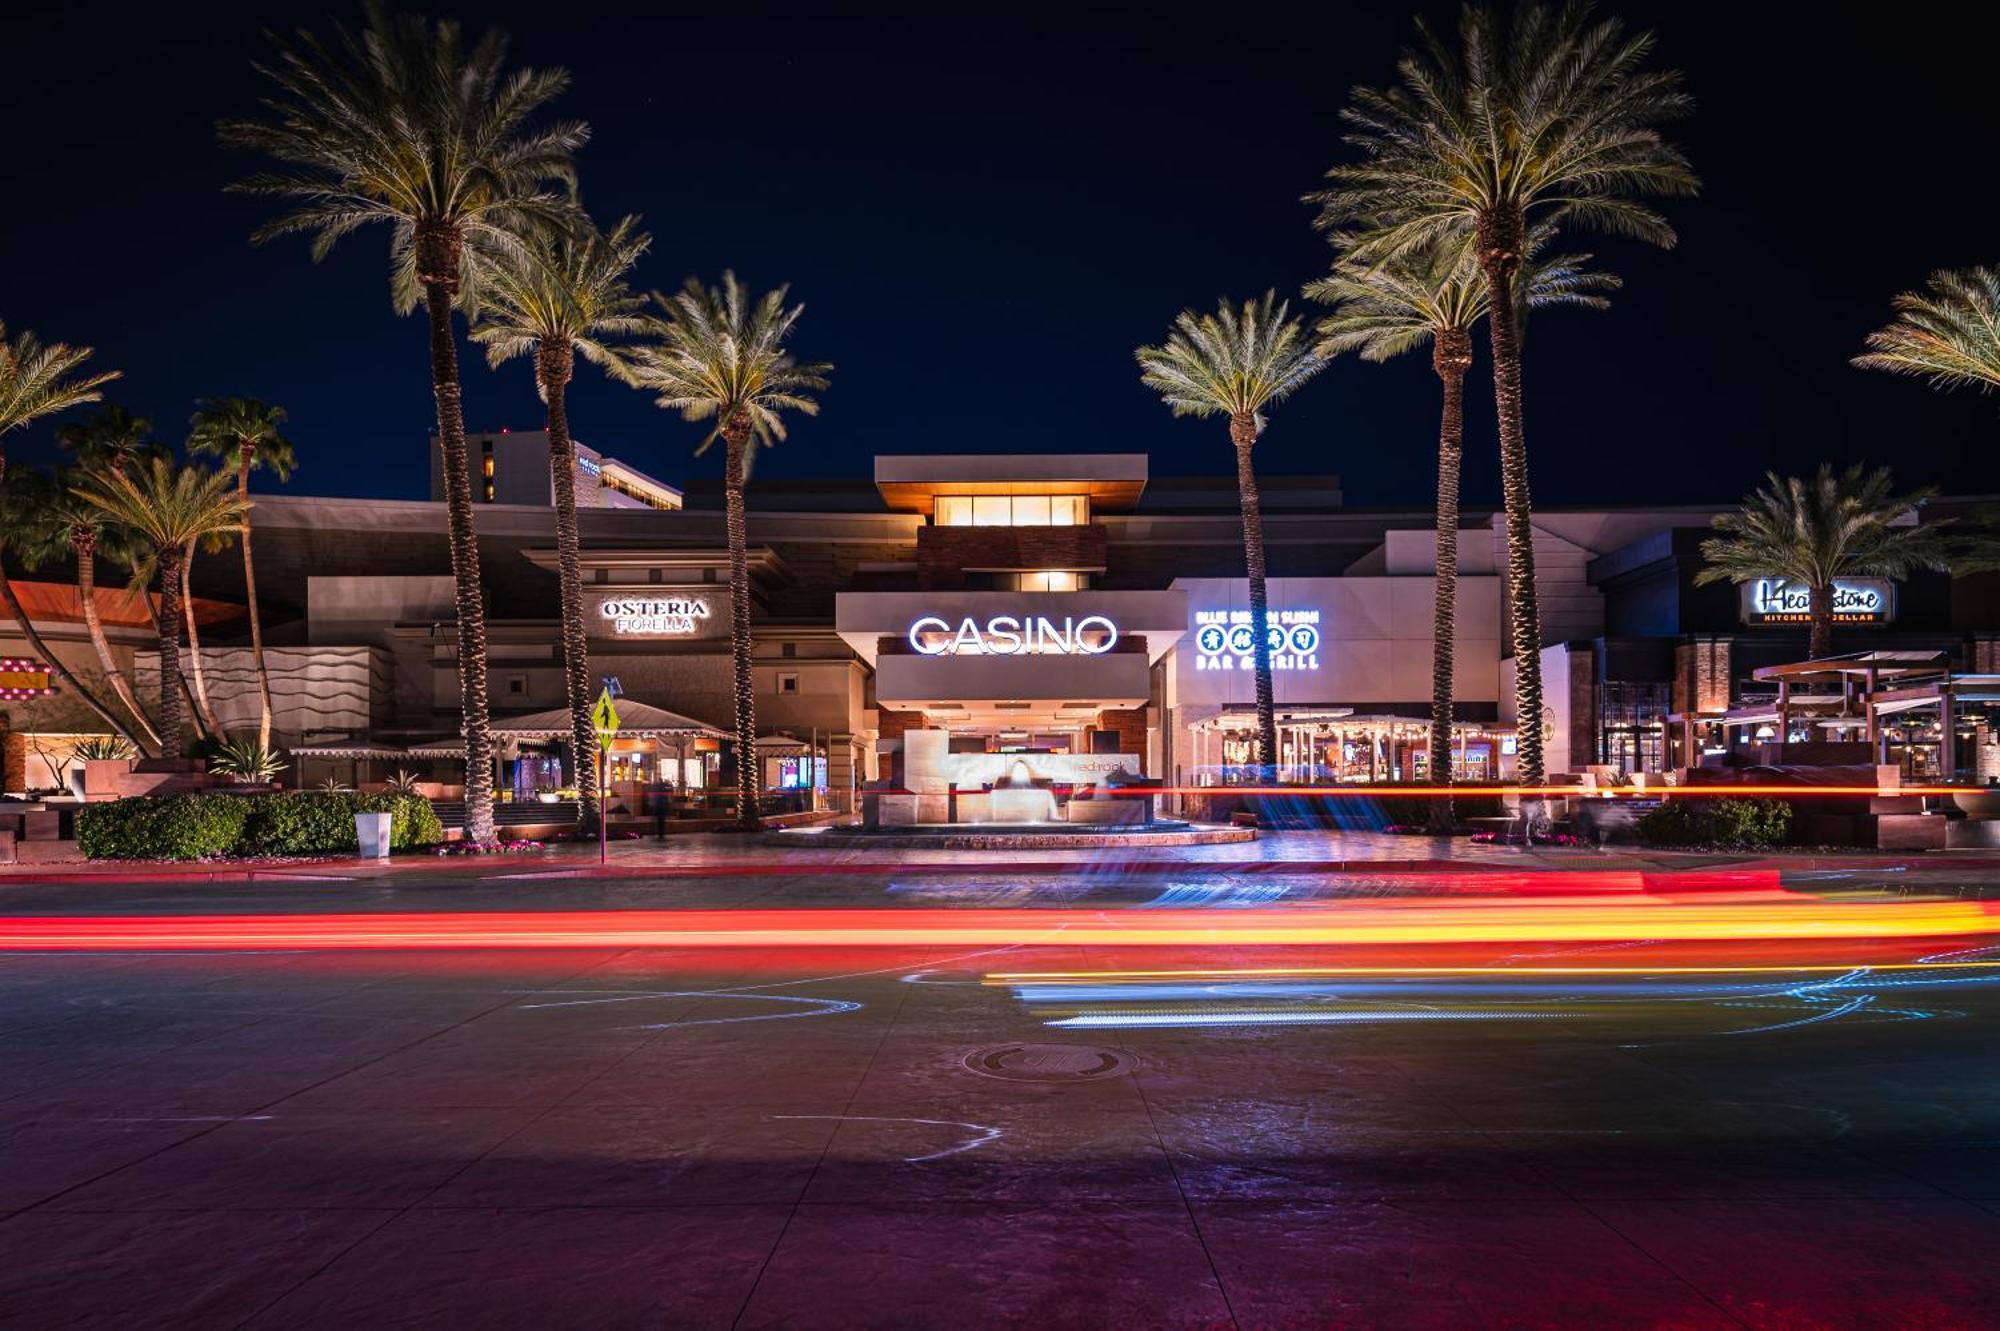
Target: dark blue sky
{"type": "Point", "coordinates": [984, 211]}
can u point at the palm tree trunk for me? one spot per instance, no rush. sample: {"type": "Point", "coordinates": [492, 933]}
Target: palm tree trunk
{"type": "Point", "coordinates": [84, 546]}
{"type": "Point", "coordinates": [172, 717]}
{"type": "Point", "coordinates": [1243, 433]}
{"type": "Point", "coordinates": [55, 663]}
{"type": "Point", "coordinates": [552, 369]}
{"type": "Point", "coordinates": [203, 711]}
{"type": "Point", "coordinates": [1451, 356]}
{"type": "Point", "coordinates": [1819, 611]}
{"type": "Point", "coordinates": [736, 433]}
{"type": "Point", "coordinates": [245, 457]}
{"type": "Point", "coordinates": [1500, 260]}
{"type": "Point", "coordinates": [437, 269]}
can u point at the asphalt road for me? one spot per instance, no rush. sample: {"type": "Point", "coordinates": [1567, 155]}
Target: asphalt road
{"type": "Point", "coordinates": [1771, 1133]}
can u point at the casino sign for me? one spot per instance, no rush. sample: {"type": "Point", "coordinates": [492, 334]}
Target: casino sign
{"type": "Point", "coordinates": [22, 679]}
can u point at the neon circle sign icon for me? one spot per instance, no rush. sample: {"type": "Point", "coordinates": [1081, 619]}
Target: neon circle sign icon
{"type": "Point", "coordinates": [1227, 640]}
{"type": "Point", "coordinates": [1009, 635]}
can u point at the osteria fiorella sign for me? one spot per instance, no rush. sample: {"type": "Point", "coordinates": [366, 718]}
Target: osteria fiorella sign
{"type": "Point", "coordinates": [627, 615]}
{"type": "Point", "coordinates": [1013, 635]}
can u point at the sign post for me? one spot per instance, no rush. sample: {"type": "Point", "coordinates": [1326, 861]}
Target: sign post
{"type": "Point", "coordinates": [604, 717]}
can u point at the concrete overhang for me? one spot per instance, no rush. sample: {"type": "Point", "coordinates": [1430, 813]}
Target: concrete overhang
{"type": "Point", "coordinates": [909, 482]}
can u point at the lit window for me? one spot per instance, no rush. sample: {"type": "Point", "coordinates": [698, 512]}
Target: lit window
{"type": "Point", "coordinates": [954, 511]}
{"type": "Point", "coordinates": [1051, 581]}
{"type": "Point", "coordinates": [1031, 511]}
{"type": "Point", "coordinates": [992, 511]}
{"type": "Point", "coordinates": [1069, 510]}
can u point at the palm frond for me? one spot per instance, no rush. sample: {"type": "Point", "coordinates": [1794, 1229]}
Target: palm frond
{"type": "Point", "coordinates": [1234, 362]}
{"type": "Point", "coordinates": [719, 355]}
{"type": "Point", "coordinates": [39, 379]}
{"type": "Point", "coordinates": [1834, 524]}
{"type": "Point", "coordinates": [1948, 333]}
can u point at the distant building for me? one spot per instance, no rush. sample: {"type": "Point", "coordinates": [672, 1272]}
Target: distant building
{"type": "Point", "coordinates": [512, 467]}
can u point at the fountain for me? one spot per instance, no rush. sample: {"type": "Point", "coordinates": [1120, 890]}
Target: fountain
{"type": "Point", "coordinates": [1019, 800]}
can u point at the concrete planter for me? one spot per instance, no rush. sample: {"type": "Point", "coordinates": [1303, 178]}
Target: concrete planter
{"type": "Point", "coordinates": [102, 777]}
{"type": "Point", "coordinates": [373, 831]}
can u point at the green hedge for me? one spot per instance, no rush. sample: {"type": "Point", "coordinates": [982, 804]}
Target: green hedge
{"type": "Point", "coordinates": [1755, 824]}
{"type": "Point", "coordinates": [195, 826]}
{"type": "Point", "coordinates": [162, 827]}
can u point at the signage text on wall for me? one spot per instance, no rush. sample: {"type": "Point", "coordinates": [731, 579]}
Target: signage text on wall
{"type": "Point", "coordinates": [655, 616]}
{"type": "Point", "coordinates": [1011, 635]}
{"type": "Point", "coordinates": [1784, 601]}
{"type": "Point", "coordinates": [1227, 640]}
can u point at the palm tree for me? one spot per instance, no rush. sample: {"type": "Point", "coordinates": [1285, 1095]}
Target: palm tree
{"type": "Point", "coordinates": [38, 380]}
{"type": "Point", "coordinates": [555, 300]}
{"type": "Point", "coordinates": [1552, 115]}
{"type": "Point", "coordinates": [1235, 363]}
{"type": "Point", "coordinates": [24, 504]}
{"type": "Point", "coordinates": [109, 438]}
{"type": "Point", "coordinates": [1948, 333]}
{"type": "Point", "coordinates": [721, 357]}
{"type": "Point", "coordinates": [205, 718]}
{"type": "Point", "coordinates": [402, 125]}
{"type": "Point", "coordinates": [1436, 296]}
{"type": "Point", "coordinates": [247, 433]}
{"type": "Point", "coordinates": [167, 508]}
{"type": "Point", "coordinates": [1812, 532]}
{"type": "Point", "coordinates": [68, 526]}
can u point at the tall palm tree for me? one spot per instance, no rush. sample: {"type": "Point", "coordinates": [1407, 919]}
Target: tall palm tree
{"type": "Point", "coordinates": [115, 439]}
{"type": "Point", "coordinates": [1549, 115]}
{"type": "Point", "coordinates": [720, 356]}
{"type": "Point", "coordinates": [39, 379]}
{"type": "Point", "coordinates": [68, 526]}
{"type": "Point", "coordinates": [556, 299]}
{"type": "Point", "coordinates": [1235, 363]}
{"type": "Point", "coordinates": [248, 434]}
{"type": "Point", "coordinates": [167, 508]}
{"type": "Point", "coordinates": [1812, 532]}
{"type": "Point", "coordinates": [24, 504]}
{"type": "Point", "coordinates": [1437, 295]}
{"type": "Point", "coordinates": [204, 711]}
{"type": "Point", "coordinates": [402, 124]}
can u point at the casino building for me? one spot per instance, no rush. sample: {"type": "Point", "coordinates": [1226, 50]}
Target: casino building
{"type": "Point", "coordinates": [1070, 610]}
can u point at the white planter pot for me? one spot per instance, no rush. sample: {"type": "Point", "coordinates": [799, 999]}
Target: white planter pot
{"type": "Point", "coordinates": [373, 831]}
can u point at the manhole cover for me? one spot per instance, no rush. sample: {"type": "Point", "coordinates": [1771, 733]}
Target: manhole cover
{"type": "Point", "coordinates": [1049, 1062]}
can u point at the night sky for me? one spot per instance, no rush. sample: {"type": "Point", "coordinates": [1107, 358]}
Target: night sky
{"type": "Point", "coordinates": [984, 211]}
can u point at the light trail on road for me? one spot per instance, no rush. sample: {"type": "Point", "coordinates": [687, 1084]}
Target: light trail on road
{"type": "Point", "coordinates": [1636, 917]}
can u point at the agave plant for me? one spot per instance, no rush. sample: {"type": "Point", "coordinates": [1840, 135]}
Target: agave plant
{"type": "Point", "coordinates": [402, 783]}
{"type": "Point", "coordinates": [104, 748]}
{"type": "Point", "coordinates": [246, 760]}
{"type": "Point", "coordinates": [333, 785]}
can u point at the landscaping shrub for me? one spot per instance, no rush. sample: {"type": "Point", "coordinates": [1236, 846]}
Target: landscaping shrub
{"type": "Point", "coordinates": [165, 827]}
{"type": "Point", "coordinates": [191, 826]}
{"type": "Point", "coordinates": [1751, 824]}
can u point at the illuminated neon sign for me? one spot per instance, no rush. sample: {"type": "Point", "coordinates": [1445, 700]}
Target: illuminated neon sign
{"type": "Point", "coordinates": [22, 679]}
{"type": "Point", "coordinates": [1008, 635]}
{"type": "Point", "coordinates": [1784, 601]}
{"type": "Point", "coordinates": [1227, 640]}
{"type": "Point", "coordinates": [655, 616]}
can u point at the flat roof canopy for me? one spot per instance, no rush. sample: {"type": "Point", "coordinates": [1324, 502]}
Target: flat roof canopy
{"type": "Point", "coordinates": [909, 482]}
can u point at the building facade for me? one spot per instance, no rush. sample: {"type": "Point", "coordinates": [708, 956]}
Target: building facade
{"type": "Point", "coordinates": [1071, 609]}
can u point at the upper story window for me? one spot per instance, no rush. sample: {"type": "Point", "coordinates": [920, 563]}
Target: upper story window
{"type": "Point", "coordinates": [1011, 511]}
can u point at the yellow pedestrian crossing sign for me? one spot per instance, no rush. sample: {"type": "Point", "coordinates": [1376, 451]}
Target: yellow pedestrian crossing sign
{"type": "Point", "coordinates": [605, 717]}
